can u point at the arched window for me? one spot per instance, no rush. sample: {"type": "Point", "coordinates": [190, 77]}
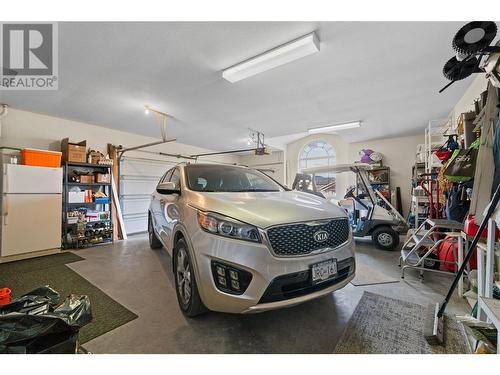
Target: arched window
{"type": "Point", "coordinates": [319, 154]}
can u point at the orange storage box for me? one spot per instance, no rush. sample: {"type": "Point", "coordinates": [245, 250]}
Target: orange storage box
{"type": "Point", "coordinates": [41, 158]}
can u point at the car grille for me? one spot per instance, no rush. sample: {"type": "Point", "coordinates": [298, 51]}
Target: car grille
{"type": "Point", "coordinates": [299, 284]}
{"type": "Point", "coordinates": [298, 239]}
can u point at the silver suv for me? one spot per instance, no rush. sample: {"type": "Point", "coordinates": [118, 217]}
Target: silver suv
{"type": "Point", "coordinates": [242, 243]}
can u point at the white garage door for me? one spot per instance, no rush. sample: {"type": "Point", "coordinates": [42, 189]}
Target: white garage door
{"type": "Point", "coordinates": [138, 179]}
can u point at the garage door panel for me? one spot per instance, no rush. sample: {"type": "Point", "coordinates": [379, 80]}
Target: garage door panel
{"type": "Point", "coordinates": [135, 224]}
{"type": "Point", "coordinates": [137, 187]}
{"type": "Point", "coordinates": [136, 205]}
{"type": "Point", "coordinates": [144, 168]}
{"type": "Point", "coordinates": [138, 179]}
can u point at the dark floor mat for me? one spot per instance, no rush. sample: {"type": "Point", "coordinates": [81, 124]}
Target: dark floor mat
{"type": "Point", "coordinates": [382, 325]}
{"type": "Point", "coordinates": [40, 263]}
{"type": "Point", "coordinates": [107, 313]}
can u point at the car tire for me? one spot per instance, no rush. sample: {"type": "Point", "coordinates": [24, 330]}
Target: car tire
{"type": "Point", "coordinates": [385, 238]}
{"type": "Point", "coordinates": [185, 282]}
{"type": "Point", "coordinates": [154, 242]}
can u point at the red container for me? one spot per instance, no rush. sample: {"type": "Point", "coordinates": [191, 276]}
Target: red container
{"type": "Point", "coordinates": [446, 252]}
{"type": "Point", "coordinates": [471, 229]}
{"type": "Point", "coordinates": [443, 155]}
{"type": "Point", "coordinates": [4, 296]}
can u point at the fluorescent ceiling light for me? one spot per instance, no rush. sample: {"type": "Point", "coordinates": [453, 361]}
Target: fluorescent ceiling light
{"type": "Point", "coordinates": [294, 50]}
{"type": "Point", "coordinates": [332, 128]}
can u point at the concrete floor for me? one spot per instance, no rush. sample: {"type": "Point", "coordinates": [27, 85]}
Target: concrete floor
{"type": "Point", "coordinates": [141, 279]}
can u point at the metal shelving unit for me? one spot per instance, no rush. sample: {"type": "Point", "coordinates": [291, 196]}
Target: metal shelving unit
{"type": "Point", "coordinates": [89, 184]}
{"type": "Point", "coordinates": [72, 230]}
{"type": "Point", "coordinates": [379, 178]}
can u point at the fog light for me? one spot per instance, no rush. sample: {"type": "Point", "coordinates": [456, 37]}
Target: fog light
{"type": "Point", "coordinates": [235, 285]}
{"type": "Point", "coordinates": [233, 275]}
{"type": "Point", "coordinates": [220, 271]}
{"type": "Point", "coordinates": [230, 279]}
{"type": "Point", "coordinates": [222, 280]}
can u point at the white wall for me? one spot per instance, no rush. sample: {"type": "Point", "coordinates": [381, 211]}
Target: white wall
{"type": "Point", "coordinates": [399, 155]}
{"type": "Point", "coordinates": [273, 161]}
{"type": "Point", "coordinates": [27, 129]}
{"type": "Point", "coordinates": [466, 102]}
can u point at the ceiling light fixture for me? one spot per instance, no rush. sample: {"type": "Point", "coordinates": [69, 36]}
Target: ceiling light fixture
{"type": "Point", "coordinates": [288, 52]}
{"type": "Point", "coordinates": [146, 109]}
{"type": "Point", "coordinates": [332, 128]}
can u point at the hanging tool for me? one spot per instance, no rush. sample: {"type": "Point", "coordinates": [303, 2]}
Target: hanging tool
{"type": "Point", "coordinates": [434, 322]}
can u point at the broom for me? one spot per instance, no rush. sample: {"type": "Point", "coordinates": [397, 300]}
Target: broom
{"type": "Point", "coordinates": [434, 321]}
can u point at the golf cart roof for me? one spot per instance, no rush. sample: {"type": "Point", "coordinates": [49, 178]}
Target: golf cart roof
{"type": "Point", "coordinates": [338, 168]}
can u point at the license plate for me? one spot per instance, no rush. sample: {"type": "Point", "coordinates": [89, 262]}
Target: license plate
{"type": "Point", "coordinates": [324, 270]}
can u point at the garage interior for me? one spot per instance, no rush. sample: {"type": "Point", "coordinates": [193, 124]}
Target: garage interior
{"type": "Point", "coordinates": [312, 105]}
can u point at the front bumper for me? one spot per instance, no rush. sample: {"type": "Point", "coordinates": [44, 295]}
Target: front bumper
{"type": "Point", "coordinates": [265, 268]}
{"type": "Point", "coordinates": [261, 307]}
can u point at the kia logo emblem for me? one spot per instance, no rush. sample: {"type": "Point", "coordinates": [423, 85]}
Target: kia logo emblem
{"type": "Point", "coordinates": [321, 236]}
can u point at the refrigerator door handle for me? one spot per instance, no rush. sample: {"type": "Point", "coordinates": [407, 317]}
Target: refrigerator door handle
{"type": "Point", "coordinates": [5, 187]}
{"type": "Point", "coordinates": [6, 211]}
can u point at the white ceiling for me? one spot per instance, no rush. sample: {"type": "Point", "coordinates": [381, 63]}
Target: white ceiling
{"type": "Point", "coordinates": [385, 74]}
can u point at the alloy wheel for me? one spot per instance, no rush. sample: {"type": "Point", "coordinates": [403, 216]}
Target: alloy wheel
{"type": "Point", "coordinates": [183, 273]}
{"type": "Point", "coordinates": [150, 231]}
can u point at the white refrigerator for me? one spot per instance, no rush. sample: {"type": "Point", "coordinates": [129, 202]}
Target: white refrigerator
{"type": "Point", "coordinates": [30, 211]}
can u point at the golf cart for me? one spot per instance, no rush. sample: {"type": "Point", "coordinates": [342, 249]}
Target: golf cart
{"type": "Point", "coordinates": [363, 204]}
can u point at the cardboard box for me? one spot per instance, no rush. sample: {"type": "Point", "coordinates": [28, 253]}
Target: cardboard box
{"type": "Point", "coordinates": [88, 196]}
{"type": "Point", "coordinates": [95, 156]}
{"type": "Point", "coordinates": [76, 197]}
{"type": "Point", "coordinates": [103, 178]}
{"type": "Point", "coordinates": [76, 152]}
{"type": "Point", "coordinates": [72, 219]}
{"type": "Point", "coordinates": [87, 179]}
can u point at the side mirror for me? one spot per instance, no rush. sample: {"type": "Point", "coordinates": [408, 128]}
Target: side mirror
{"type": "Point", "coordinates": [167, 188]}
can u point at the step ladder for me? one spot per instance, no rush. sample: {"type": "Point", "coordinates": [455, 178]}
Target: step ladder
{"type": "Point", "coordinates": [420, 244]}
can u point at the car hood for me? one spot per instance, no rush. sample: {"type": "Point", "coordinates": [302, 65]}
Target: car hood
{"type": "Point", "coordinates": [269, 208]}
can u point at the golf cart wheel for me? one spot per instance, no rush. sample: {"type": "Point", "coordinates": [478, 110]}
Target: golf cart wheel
{"type": "Point", "coordinates": [154, 242]}
{"type": "Point", "coordinates": [385, 238]}
{"type": "Point", "coordinates": [185, 282]}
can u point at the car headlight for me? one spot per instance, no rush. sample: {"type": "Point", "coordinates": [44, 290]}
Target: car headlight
{"type": "Point", "coordinates": [227, 227]}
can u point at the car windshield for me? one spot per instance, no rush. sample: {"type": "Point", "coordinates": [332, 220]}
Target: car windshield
{"type": "Point", "coordinates": [221, 178]}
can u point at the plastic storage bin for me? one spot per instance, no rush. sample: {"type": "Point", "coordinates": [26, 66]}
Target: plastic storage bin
{"type": "Point", "coordinates": [41, 158]}
{"type": "Point", "coordinates": [4, 296]}
{"type": "Point", "coordinates": [102, 200]}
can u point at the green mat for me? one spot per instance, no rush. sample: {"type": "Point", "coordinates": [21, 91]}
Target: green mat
{"type": "Point", "coordinates": [24, 276]}
{"type": "Point", "coordinates": [39, 263]}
